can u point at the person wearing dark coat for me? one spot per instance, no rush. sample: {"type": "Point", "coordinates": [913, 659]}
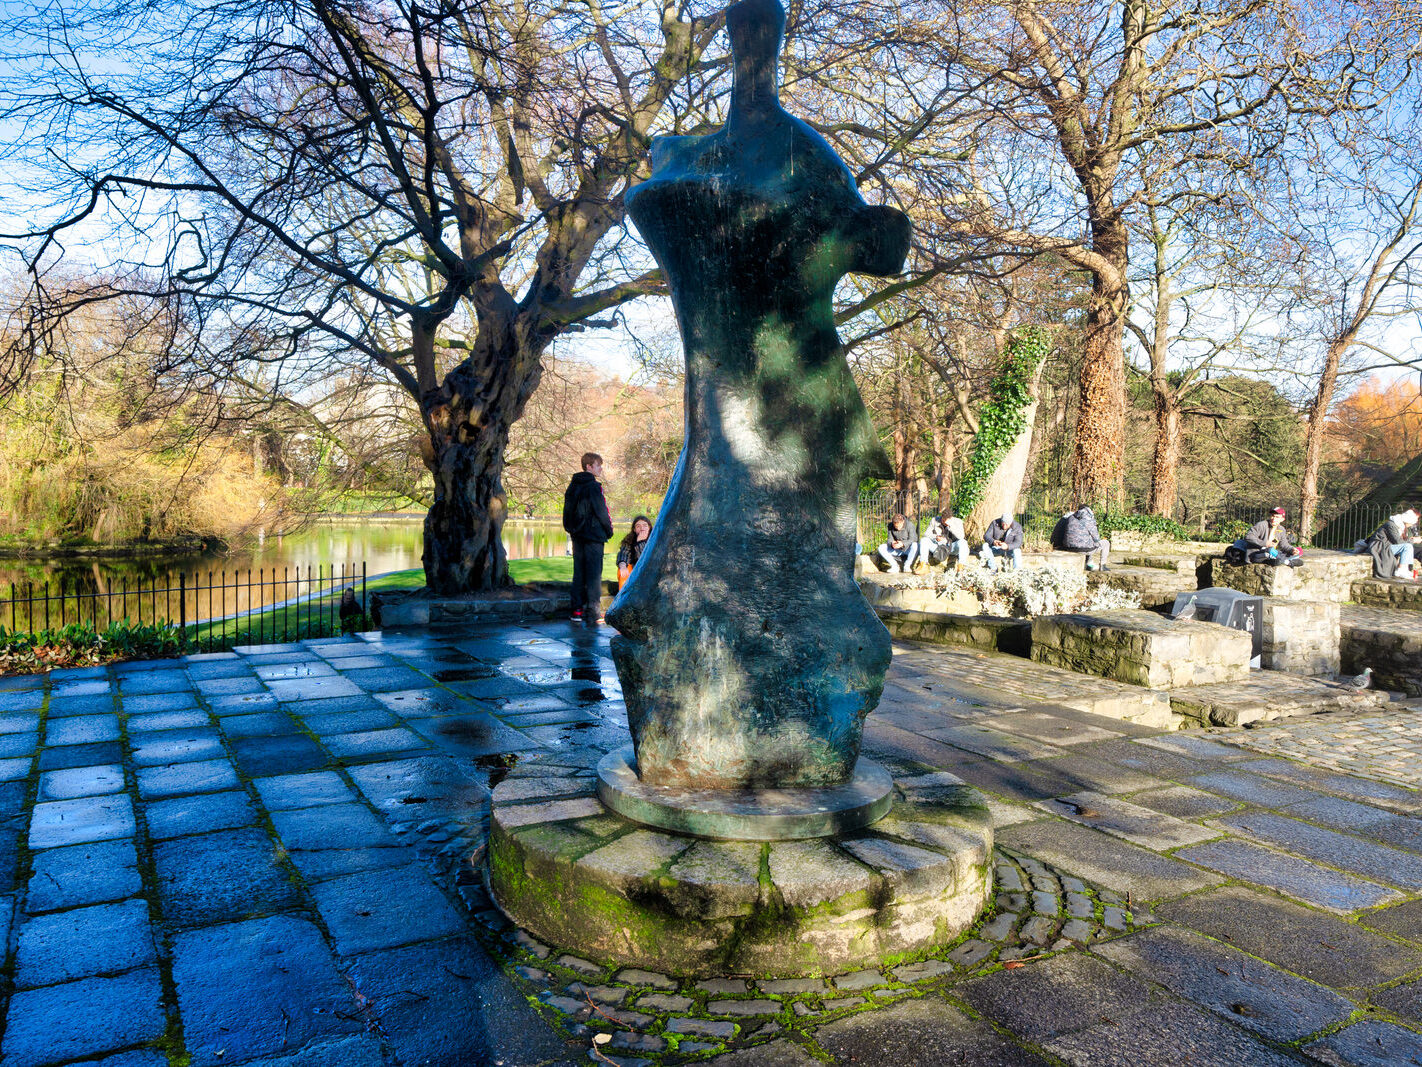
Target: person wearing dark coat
{"type": "Point", "coordinates": [1003, 537]}
{"type": "Point", "coordinates": [1392, 551]}
{"type": "Point", "coordinates": [1076, 531]}
{"type": "Point", "coordinates": [589, 524]}
{"type": "Point", "coordinates": [1268, 542]}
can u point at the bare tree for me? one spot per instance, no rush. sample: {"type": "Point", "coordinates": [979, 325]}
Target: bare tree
{"type": "Point", "coordinates": [1068, 96]}
{"type": "Point", "coordinates": [1363, 274]}
{"type": "Point", "coordinates": [434, 190]}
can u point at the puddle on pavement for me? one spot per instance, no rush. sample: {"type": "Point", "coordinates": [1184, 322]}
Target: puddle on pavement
{"type": "Point", "coordinates": [471, 731]}
{"type": "Point", "coordinates": [497, 766]}
{"type": "Point", "coordinates": [464, 674]}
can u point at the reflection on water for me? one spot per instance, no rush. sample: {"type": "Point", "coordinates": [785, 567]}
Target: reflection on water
{"type": "Point", "coordinates": [272, 570]}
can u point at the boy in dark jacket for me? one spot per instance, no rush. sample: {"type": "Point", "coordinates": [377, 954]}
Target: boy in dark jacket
{"type": "Point", "coordinates": [1268, 542]}
{"type": "Point", "coordinates": [588, 522]}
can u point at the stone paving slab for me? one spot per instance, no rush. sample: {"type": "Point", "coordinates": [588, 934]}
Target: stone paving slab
{"type": "Point", "coordinates": [256, 820]}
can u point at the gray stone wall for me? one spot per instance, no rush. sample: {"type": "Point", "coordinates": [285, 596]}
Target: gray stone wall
{"type": "Point", "coordinates": [1378, 593]}
{"type": "Point", "coordinates": [1300, 636]}
{"type": "Point", "coordinates": [1390, 642]}
{"type": "Point", "coordinates": [1142, 648]}
{"type": "Point", "coordinates": [1324, 576]}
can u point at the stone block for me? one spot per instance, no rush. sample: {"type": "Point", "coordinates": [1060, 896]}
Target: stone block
{"type": "Point", "coordinates": [1297, 878]}
{"type": "Point", "coordinates": [1387, 640]}
{"type": "Point", "coordinates": [1300, 636]}
{"type": "Point", "coordinates": [80, 1019]}
{"type": "Point", "coordinates": [1268, 695]}
{"type": "Point", "coordinates": [1324, 576]}
{"type": "Point", "coordinates": [1142, 648]}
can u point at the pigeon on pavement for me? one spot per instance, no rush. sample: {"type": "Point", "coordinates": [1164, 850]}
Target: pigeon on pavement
{"type": "Point", "coordinates": [1188, 611]}
{"type": "Point", "coordinates": [1362, 681]}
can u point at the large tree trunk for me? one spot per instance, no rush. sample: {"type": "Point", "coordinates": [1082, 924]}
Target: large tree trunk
{"type": "Point", "coordinates": [1005, 485]}
{"type": "Point", "coordinates": [1165, 462]}
{"type": "Point", "coordinates": [1101, 417]}
{"type": "Point", "coordinates": [468, 418]}
{"type": "Point", "coordinates": [1313, 439]}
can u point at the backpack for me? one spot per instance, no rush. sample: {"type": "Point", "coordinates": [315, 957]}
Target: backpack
{"type": "Point", "coordinates": [1235, 556]}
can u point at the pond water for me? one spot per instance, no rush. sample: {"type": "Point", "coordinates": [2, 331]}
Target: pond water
{"type": "Point", "coordinates": [252, 576]}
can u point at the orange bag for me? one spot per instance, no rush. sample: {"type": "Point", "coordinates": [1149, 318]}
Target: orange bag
{"type": "Point", "coordinates": [624, 571]}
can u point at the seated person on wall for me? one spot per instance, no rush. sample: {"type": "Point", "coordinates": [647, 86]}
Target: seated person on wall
{"type": "Point", "coordinates": [1003, 537]}
{"type": "Point", "coordinates": [934, 549]}
{"type": "Point", "coordinates": [1268, 542]}
{"type": "Point", "coordinates": [1393, 549]}
{"type": "Point", "coordinates": [901, 549]}
{"type": "Point", "coordinates": [629, 550]}
{"type": "Point", "coordinates": [958, 550]}
{"type": "Point", "coordinates": [1076, 531]}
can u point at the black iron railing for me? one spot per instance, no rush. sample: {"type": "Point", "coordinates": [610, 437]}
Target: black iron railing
{"type": "Point", "coordinates": [206, 612]}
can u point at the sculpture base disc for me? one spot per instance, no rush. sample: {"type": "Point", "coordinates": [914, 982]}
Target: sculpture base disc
{"type": "Point", "coordinates": [746, 814]}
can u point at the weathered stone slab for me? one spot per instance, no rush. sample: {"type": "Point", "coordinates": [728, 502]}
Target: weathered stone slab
{"type": "Point", "coordinates": [1275, 1004]}
{"type": "Point", "coordinates": [1130, 822]}
{"type": "Point", "coordinates": [1107, 861]}
{"type": "Point", "coordinates": [991, 632]}
{"type": "Point", "coordinates": [1324, 576]}
{"type": "Point", "coordinates": [1266, 696]}
{"type": "Point", "coordinates": [1142, 648]}
{"type": "Point", "coordinates": [1300, 879]}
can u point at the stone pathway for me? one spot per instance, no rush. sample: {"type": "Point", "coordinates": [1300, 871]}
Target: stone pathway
{"type": "Point", "coordinates": [257, 858]}
{"type": "Point", "coordinates": [1386, 745]}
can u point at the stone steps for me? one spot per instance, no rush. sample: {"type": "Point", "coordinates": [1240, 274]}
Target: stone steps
{"type": "Point", "coordinates": [1387, 640]}
{"type": "Point", "coordinates": [1268, 695]}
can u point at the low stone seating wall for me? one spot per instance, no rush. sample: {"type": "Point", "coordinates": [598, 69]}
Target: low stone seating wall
{"type": "Point", "coordinates": [1388, 641]}
{"type": "Point", "coordinates": [415, 607]}
{"type": "Point", "coordinates": [1156, 588]}
{"type": "Point", "coordinates": [896, 591]}
{"type": "Point", "coordinates": [1324, 576]}
{"type": "Point", "coordinates": [1300, 636]}
{"type": "Point", "coordinates": [1186, 563]}
{"type": "Point", "coordinates": [1380, 593]}
{"type": "Point", "coordinates": [991, 632]}
{"type": "Point", "coordinates": [1142, 648]}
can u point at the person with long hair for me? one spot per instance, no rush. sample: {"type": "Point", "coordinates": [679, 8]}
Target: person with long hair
{"type": "Point", "coordinates": [630, 549]}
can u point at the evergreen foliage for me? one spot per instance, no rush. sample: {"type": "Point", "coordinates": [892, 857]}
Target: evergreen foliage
{"type": "Point", "coordinates": [1004, 417]}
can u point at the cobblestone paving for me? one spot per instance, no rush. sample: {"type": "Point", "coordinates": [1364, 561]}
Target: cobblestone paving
{"type": "Point", "coordinates": [1386, 745]}
{"type": "Point", "coordinates": [272, 857]}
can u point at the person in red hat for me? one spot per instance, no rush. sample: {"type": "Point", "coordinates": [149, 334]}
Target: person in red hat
{"type": "Point", "coordinates": [1268, 542]}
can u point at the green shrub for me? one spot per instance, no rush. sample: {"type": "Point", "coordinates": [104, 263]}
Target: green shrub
{"type": "Point", "coordinates": [1110, 523]}
{"type": "Point", "coordinates": [80, 644]}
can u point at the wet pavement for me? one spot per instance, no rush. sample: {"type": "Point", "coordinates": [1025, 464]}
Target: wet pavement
{"type": "Point", "coordinates": [263, 857]}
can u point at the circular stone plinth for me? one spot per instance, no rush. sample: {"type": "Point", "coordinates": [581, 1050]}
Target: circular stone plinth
{"type": "Point", "coordinates": [746, 814]}
{"type": "Point", "coordinates": [575, 874]}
